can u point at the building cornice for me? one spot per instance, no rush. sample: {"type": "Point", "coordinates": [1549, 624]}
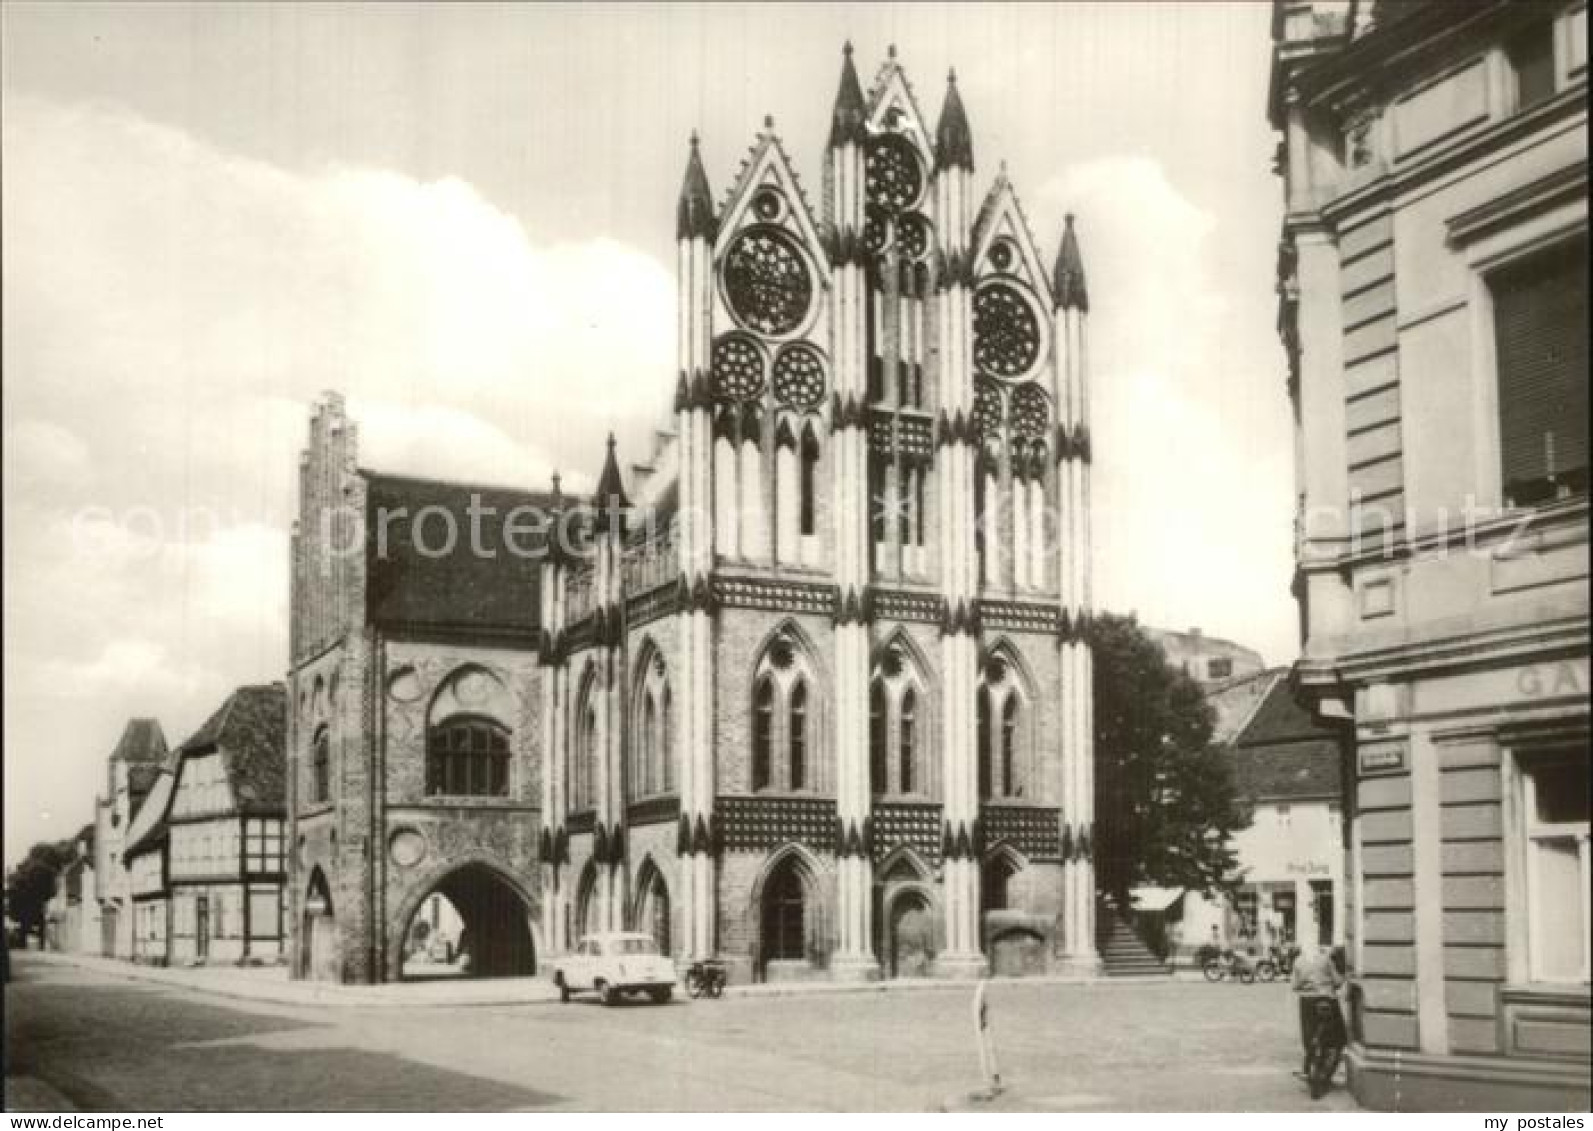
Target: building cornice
{"type": "Point", "coordinates": [1563, 110]}
{"type": "Point", "coordinates": [1465, 651]}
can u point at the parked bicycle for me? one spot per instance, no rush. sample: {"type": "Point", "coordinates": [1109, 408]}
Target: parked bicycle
{"type": "Point", "coordinates": [705, 979]}
{"type": "Point", "coordinates": [1326, 1047]}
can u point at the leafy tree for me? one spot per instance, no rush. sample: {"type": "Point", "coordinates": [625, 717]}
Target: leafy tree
{"type": "Point", "coordinates": [31, 884]}
{"type": "Point", "coordinates": [1166, 803]}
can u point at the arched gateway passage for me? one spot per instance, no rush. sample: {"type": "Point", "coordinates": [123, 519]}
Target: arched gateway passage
{"type": "Point", "coordinates": [493, 923]}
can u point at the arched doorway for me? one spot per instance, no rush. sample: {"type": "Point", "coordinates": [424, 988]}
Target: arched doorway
{"type": "Point", "coordinates": [318, 955]}
{"type": "Point", "coordinates": [494, 922]}
{"type": "Point", "coordinates": [912, 942]}
{"type": "Point", "coordinates": [995, 882]}
{"type": "Point", "coordinates": [784, 917]}
{"type": "Point", "coordinates": [652, 907]}
{"type": "Point", "coordinates": [432, 942]}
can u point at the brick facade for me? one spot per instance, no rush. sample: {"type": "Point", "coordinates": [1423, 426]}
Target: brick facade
{"type": "Point", "coordinates": [698, 699]}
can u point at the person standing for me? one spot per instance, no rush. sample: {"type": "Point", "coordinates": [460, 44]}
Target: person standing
{"type": "Point", "coordinates": [1316, 978]}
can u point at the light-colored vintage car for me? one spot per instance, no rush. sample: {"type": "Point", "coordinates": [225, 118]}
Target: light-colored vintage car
{"type": "Point", "coordinates": [613, 964]}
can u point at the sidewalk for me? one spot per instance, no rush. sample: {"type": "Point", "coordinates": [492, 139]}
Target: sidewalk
{"type": "Point", "coordinates": [272, 985]}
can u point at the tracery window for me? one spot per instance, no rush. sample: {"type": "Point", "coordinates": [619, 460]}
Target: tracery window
{"type": "Point", "coordinates": [768, 284]}
{"type": "Point", "coordinates": [785, 730]}
{"type": "Point", "coordinates": [898, 763]}
{"type": "Point", "coordinates": [1006, 332]}
{"type": "Point", "coordinates": [1004, 732]}
{"type": "Point", "coordinates": [652, 769]}
{"type": "Point", "coordinates": [467, 757]}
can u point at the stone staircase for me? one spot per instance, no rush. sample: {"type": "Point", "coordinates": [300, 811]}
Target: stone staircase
{"type": "Point", "coordinates": [1123, 954]}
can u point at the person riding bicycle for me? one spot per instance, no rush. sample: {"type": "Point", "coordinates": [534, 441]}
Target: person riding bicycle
{"type": "Point", "coordinates": [1317, 977]}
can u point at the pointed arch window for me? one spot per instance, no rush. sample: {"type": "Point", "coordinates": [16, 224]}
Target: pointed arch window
{"type": "Point", "coordinates": [762, 733]}
{"type": "Point", "coordinates": [878, 739]}
{"type": "Point", "coordinates": [651, 771]}
{"type": "Point", "coordinates": [321, 768]}
{"type": "Point", "coordinates": [984, 745]}
{"type": "Point", "coordinates": [1010, 785]}
{"type": "Point", "coordinates": [908, 740]}
{"type": "Point", "coordinates": [898, 763]}
{"type": "Point", "coordinates": [1004, 730]}
{"type": "Point", "coordinates": [666, 739]}
{"type": "Point", "coordinates": [809, 483]}
{"type": "Point", "coordinates": [583, 783]}
{"type": "Point", "coordinates": [468, 757]}
{"type": "Point", "coordinates": [799, 736]}
{"type": "Point", "coordinates": [646, 784]}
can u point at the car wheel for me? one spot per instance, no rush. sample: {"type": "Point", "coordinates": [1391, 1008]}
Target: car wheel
{"type": "Point", "coordinates": [605, 993]}
{"type": "Point", "coordinates": [661, 996]}
{"type": "Point", "coordinates": [564, 988]}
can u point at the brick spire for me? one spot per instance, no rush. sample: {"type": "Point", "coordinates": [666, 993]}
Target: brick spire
{"type": "Point", "coordinates": [846, 123]}
{"type": "Point", "coordinates": [1067, 282]}
{"type": "Point", "coordinates": [610, 493]}
{"type": "Point", "coordinates": [694, 216]}
{"type": "Point", "coordinates": [953, 138]}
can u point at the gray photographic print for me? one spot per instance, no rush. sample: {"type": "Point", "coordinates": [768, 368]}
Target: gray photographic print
{"type": "Point", "coordinates": [890, 557]}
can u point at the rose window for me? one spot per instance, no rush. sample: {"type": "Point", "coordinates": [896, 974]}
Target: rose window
{"type": "Point", "coordinates": [767, 281]}
{"type": "Point", "coordinates": [1030, 411]}
{"type": "Point", "coordinates": [1006, 332]}
{"type": "Point", "coordinates": [987, 410]}
{"type": "Point", "coordinates": [737, 368]}
{"type": "Point", "coordinates": [893, 176]}
{"type": "Point", "coordinates": [799, 377]}
{"type": "Point", "coordinates": [766, 205]}
{"type": "Point", "coordinates": [912, 235]}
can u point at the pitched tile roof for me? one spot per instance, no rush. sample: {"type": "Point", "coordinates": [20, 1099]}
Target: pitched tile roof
{"type": "Point", "coordinates": [142, 741]}
{"type": "Point", "coordinates": [1283, 753]}
{"type": "Point", "coordinates": [413, 582]}
{"type": "Point", "coordinates": [250, 732]}
{"type": "Point", "coordinates": [1236, 700]}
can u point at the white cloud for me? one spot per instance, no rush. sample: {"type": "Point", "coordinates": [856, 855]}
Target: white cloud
{"type": "Point", "coordinates": [171, 310]}
{"type": "Point", "coordinates": [1191, 514]}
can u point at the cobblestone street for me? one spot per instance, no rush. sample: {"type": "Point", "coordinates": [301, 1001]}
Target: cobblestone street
{"type": "Point", "coordinates": [104, 1042]}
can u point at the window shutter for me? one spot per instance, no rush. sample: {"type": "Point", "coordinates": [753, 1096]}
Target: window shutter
{"type": "Point", "coordinates": [1540, 324]}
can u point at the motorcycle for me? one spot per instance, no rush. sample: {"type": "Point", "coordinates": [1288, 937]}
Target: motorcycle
{"type": "Point", "coordinates": [1230, 964]}
{"type": "Point", "coordinates": [705, 979]}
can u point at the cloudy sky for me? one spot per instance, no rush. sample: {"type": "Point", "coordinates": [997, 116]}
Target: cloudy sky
{"type": "Point", "coordinates": [464, 219]}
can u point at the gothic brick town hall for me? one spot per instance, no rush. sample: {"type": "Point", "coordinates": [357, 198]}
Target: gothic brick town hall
{"type": "Point", "coordinates": [808, 690]}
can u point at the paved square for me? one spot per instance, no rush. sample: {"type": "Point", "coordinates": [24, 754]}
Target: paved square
{"type": "Point", "coordinates": [108, 1043]}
